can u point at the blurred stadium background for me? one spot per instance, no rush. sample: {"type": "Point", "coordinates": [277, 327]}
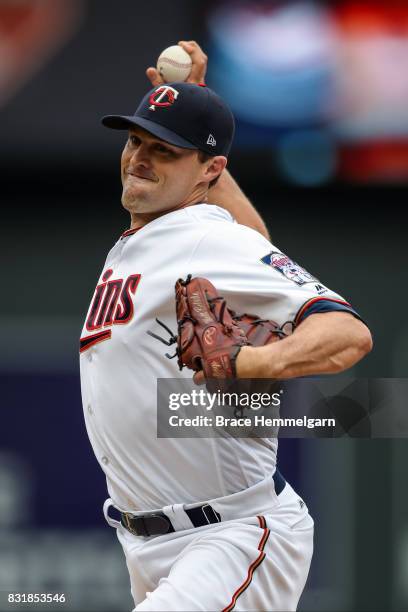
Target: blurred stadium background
{"type": "Point", "coordinates": [320, 93]}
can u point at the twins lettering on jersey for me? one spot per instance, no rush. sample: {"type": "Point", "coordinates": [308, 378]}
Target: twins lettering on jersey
{"type": "Point", "coordinates": [112, 304]}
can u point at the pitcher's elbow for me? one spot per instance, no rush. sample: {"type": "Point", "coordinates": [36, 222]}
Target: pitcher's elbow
{"type": "Point", "coordinates": [365, 341]}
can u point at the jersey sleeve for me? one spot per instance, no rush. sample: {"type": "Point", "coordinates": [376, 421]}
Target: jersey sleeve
{"type": "Point", "coordinates": [257, 277]}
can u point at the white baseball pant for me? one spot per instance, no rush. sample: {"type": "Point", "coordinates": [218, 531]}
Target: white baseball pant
{"type": "Point", "coordinates": [259, 563]}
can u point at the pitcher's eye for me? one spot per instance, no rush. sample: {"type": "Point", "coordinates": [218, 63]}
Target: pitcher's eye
{"type": "Point", "coordinates": [162, 149]}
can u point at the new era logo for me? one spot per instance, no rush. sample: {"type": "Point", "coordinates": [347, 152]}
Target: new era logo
{"type": "Point", "coordinates": [211, 140]}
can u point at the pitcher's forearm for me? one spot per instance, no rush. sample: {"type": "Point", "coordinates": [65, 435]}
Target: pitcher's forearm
{"type": "Point", "coordinates": [324, 343]}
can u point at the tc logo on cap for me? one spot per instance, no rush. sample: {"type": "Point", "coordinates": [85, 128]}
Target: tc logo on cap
{"type": "Point", "coordinates": [163, 96]}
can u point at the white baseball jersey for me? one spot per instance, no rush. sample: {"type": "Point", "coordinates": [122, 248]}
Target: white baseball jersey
{"type": "Point", "coordinates": [120, 362]}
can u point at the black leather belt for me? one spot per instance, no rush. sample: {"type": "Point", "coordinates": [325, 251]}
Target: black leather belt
{"type": "Point", "coordinates": [157, 523]}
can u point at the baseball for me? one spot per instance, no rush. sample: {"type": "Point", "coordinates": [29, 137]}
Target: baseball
{"type": "Point", "coordinates": [174, 64]}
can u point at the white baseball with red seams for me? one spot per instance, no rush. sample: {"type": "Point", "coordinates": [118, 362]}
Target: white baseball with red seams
{"type": "Point", "coordinates": [265, 539]}
{"type": "Point", "coordinates": [174, 64]}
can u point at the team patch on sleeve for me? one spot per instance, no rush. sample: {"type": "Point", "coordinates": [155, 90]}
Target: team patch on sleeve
{"type": "Point", "coordinates": [288, 268]}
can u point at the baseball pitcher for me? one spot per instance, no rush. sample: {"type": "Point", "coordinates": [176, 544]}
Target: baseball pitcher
{"type": "Point", "coordinates": [205, 523]}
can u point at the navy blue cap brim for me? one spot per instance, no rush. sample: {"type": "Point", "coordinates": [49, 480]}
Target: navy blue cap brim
{"type": "Point", "coordinates": [122, 122]}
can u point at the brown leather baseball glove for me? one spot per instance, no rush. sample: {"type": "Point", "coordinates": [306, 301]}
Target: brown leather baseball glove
{"type": "Point", "coordinates": [210, 335]}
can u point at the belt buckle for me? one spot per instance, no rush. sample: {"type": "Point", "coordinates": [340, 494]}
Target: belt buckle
{"type": "Point", "coordinates": [214, 513]}
{"type": "Point", "coordinates": [128, 525]}
{"type": "Point", "coordinates": [146, 528]}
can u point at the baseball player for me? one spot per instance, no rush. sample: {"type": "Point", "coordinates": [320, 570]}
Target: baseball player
{"type": "Point", "coordinates": [205, 523]}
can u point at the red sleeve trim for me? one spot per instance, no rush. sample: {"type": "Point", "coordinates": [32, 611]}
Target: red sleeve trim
{"type": "Point", "coordinates": [310, 303]}
{"type": "Point", "coordinates": [252, 567]}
